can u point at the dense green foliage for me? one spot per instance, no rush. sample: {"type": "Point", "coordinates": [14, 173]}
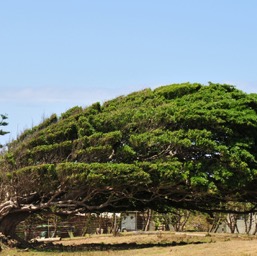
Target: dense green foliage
{"type": "Point", "coordinates": [183, 145]}
{"type": "Point", "coordinates": [3, 122]}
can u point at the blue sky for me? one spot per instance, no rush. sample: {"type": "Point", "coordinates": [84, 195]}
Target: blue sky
{"type": "Point", "coordinates": [56, 54]}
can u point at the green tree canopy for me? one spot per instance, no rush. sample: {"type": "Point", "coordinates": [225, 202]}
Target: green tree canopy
{"type": "Point", "coordinates": [3, 122]}
{"type": "Point", "coordinates": [183, 145]}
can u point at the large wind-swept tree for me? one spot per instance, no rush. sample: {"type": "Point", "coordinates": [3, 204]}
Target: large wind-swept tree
{"type": "Point", "coordinates": [185, 146]}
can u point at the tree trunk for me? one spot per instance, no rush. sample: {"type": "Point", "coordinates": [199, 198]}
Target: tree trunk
{"type": "Point", "coordinates": [9, 223]}
{"type": "Point", "coordinates": [215, 224]}
{"type": "Point", "coordinates": [115, 227]}
{"type": "Point", "coordinates": [232, 223]}
{"type": "Point", "coordinates": [248, 220]}
{"type": "Point", "coordinates": [148, 220]}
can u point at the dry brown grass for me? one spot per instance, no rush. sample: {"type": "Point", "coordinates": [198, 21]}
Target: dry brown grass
{"type": "Point", "coordinates": [215, 245]}
{"type": "Point", "coordinates": [151, 238]}
{"type": "Point", "coordinates": [228, 248]}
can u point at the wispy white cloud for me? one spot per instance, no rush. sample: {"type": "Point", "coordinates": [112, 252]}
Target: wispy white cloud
{"type": "Point", "coordinates": [26, 106]}
{"type": "Point", "coordinates": [49, 95]}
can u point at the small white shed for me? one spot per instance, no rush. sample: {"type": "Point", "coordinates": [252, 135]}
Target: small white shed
{"type": "Point", "coordinates": [129, 221]}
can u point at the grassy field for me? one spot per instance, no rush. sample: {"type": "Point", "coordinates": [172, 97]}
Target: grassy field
{"type": "Point", "coordinates": [213, 245]}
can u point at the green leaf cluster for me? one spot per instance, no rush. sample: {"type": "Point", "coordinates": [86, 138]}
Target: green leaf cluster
{"type": "Point", "coordinates": [182, 145]}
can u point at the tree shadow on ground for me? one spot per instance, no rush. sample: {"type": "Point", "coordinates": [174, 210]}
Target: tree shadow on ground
{"type": "Point", "coordinates": [105, 247]}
